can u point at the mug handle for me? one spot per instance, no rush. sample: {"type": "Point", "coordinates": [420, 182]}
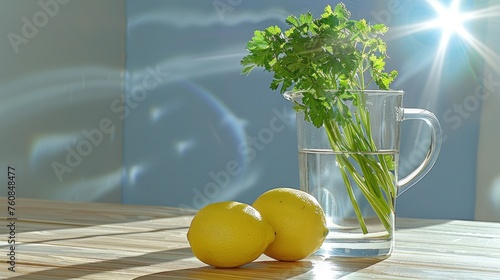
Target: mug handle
{"type": "Point", "coordinates": [434, 147]}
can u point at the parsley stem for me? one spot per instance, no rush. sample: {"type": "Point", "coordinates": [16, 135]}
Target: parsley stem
{"type": "Point", "coordinates": [373, 176]}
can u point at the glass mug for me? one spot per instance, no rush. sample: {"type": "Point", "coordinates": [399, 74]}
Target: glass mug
{"type": "Point", "coordinates": [360, 208]}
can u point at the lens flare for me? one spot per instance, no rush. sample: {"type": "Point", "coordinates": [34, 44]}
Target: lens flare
{"type": "Point", "coordinates": [452, 23]}
{"type": "Point", "coordinates": [451, 20]}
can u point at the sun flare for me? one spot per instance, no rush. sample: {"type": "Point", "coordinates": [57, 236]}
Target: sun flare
{"type": "Point", "coordinates": [452, 22]}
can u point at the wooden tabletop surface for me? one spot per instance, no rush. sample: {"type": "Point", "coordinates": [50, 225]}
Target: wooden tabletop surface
{"type": "Point", "coordinates": [68, 240]}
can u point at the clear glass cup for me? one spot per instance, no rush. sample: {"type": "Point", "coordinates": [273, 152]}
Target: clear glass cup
{"type": "Point", "coordinates": [357, 187]}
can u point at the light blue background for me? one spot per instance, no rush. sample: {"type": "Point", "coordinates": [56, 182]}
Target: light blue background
{"type": "Point", "coordinates": [193, 124]}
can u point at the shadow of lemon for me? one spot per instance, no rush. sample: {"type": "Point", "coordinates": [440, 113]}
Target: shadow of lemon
{"type": "Point", "coordinates": [254, 270]}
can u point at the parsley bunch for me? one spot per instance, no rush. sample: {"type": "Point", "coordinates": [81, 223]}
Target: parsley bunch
{"type": "Point", "coordinates": [330, 60]}
{"type": "Point", "coordinates": [320, 55]}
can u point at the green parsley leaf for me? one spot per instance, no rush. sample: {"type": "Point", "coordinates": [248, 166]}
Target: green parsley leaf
{"type": "Point", "coordinates": [328, 53]}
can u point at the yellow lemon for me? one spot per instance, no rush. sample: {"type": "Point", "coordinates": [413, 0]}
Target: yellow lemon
{"type": "Point", "coordinates": [297, 219]}
{"type": "Point", "coordinates": [229, 234]}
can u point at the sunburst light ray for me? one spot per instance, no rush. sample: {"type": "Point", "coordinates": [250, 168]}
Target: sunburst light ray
{"type": "Point", "coordinates": [452, 22]}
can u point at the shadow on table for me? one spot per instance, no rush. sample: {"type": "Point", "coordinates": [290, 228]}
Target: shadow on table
{"type": "Point", "coordinates": [254, 270]}
{"type": "Point", "coordinates": [90, 236]}
{"type": "Point", "coordinates": [46, 215]}
{"type": "Point", "coordinates": [86, 269]}
{"type": "Point", "coordinates": [411, 223]}
{"type": "Point", "coordinates": [310, 268]}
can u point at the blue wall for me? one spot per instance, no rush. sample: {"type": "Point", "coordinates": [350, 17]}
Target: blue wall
{"type": "Point", "coordinates": [61, 66]}
{"type": "Point", "coordinates": [196, 131]}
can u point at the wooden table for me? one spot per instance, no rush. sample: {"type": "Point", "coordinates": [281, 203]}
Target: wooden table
{"type": "Point", "coordinates": [67, 240]}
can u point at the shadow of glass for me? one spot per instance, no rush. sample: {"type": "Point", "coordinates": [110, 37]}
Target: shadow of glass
{"type": "Point", "coordinates": [254, 270]}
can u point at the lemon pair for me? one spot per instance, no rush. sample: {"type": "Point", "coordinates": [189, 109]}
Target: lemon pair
{"type": "Point", "coordinates": [285, 224]}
